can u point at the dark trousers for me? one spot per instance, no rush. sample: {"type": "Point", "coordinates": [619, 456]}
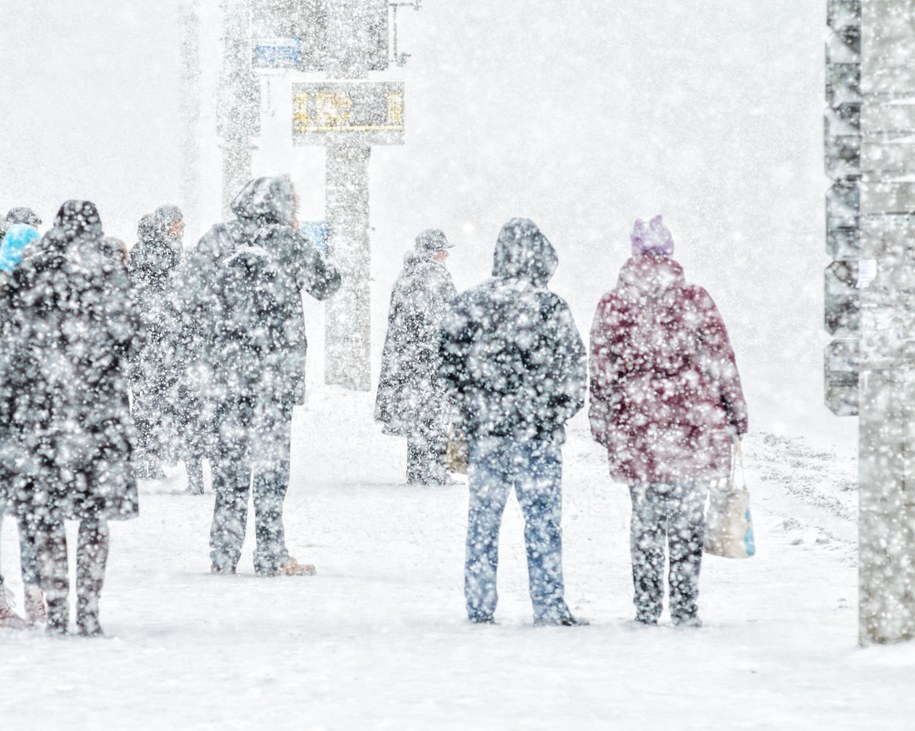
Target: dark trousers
{"type": "Point", "coordinates": [670, 516]}
{"type": "Point", "coordinates": [426, 458]}
{"type": "Point", "coordinates": [253, 444]}
{"type": "Point", "coordinates": [91, 560]}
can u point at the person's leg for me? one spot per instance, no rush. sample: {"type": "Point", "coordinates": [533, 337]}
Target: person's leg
{"type": "Point", "coordinates": [231, 483]}
{"type": "Point", "coordinates": [414, 460]}
{"type": "Point", "coordinates": [33, 597]}
{"type": "Point", "coordinates": [489, 486]}
{"type": "Point", "coordinates": [91, 560]}
{"type": "Point", "coordinates": [686, 536]}
{"type": "Point", "coordinates": [51, 550]}
{"type": "Point", "coordinates": [538, 481]}
{"type": "Point", "coordinates": [194, 465]}
{"type": "Point", "coordinates": [646, 545]}
{"type": "Point", "coordinates": [271, 480]}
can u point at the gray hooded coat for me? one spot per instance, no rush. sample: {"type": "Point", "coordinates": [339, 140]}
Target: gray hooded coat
{"type": "Point", "coordinates": [254, 348]}
{"type": "Point", "coordinates": [511, 355]}
{"type": "Point", "coordinates": [411, 396]}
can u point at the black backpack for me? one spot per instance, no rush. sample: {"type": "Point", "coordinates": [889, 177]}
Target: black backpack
{"type": "Point", "coordinates": [250, 325]}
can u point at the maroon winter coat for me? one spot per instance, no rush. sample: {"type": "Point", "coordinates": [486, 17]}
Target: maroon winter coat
{"type": "Point", "coordinates": [665, 392]}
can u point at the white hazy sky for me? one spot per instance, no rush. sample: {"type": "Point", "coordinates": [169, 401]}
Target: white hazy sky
{"type": "Point", "coordinates": [582, 115]}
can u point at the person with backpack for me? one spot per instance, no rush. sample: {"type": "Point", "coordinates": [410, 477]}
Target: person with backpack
{"type": "Point", "coordinates": [513, 361]}
{"type": "Point", "coordinates": [246, 280]}
{"type": "Point", "coordinates": [411, 399]}
{"type": "Point", "coordinates": [666, 402]}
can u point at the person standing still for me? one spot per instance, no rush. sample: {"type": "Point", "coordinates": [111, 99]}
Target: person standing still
{"type": "Point", "coordinates": [245, 280]}
{"type": "Point", "coordinates": [411, 399]}
{"type": "Point", "coordinates": [515, 364]}
{"type": "Point", "coordinates": [666, 402]}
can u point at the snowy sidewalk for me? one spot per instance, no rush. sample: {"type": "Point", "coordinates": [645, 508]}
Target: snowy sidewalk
{"type": "Point", "coordinates": [378, 638]}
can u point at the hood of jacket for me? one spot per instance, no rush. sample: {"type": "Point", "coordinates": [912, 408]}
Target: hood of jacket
{"type": "Point", "coordinates": [523, 252]}
{"type": "Point", "coordinates": [266, 201]}
{"type": "Point", "coordinates": [154, 255]}
{"type": "Point", "coordinates": [649, 274]}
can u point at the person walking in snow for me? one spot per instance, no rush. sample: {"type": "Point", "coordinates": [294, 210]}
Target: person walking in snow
{"type": "Point", "coordinates": [151, 264]}
{"type": "Point", "coordinates": [514, 362]}
{"type": "Point", "coordinates": [18, 237]}
{"type": "Point", "coordinates": [245, 282]}
{"type": "Point", "coordinates": [70, 432]}
{"type": "Point", "coordinates": [411, 399]}
{"type": "Point", "coordinates": [666, 401]}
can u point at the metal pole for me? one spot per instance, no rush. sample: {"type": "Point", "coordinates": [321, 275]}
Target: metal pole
{"type": "Point", "coordinates": [239, 100]}
{"type": "Point", "coordinates": [190, 108]}
{"type": "Point", "coordinates": [886, 478]}
{"type": "Point", "coordinates": [348, 325]}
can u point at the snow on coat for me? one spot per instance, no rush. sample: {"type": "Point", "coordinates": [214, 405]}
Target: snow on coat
{"type": "Point", "coordinates": [154, 369]}
{"type": "Point", "coordinates": [70, 327]}
{"type": "Point", "coordinates": [265, 210]}
{"type": "Point", "coordinates": [511, 355]}
{"type": "Point", "coordinates": [665, 392]}
{"type": "Point", "coordinates": [410, 391]}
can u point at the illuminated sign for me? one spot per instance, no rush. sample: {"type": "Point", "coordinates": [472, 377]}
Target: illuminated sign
{"type": "Point", "coordinates": [359, 112]}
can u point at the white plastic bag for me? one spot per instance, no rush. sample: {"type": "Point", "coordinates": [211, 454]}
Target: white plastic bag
{"type": "Point", "coordinates": [729, 524]}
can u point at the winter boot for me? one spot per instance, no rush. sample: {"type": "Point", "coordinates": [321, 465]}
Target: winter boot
{"type": "Point", "coordinates": [294, 568]}
{"type": "Point", "coordinates": [35, 610]}
{"type": "Point", "coordinates": [8, 617]}
{"type": "Point", "coordinates": [58, 623]}
{"type": "Point", "coordinates": [91, 559]}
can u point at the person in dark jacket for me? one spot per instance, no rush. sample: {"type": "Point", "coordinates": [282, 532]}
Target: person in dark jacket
{"type": "Point", "coordinates": [151, 263]}
{"type": "Point", "coordinates": [245, 281]}
{"type": "Point", "coordinates": [18, 238]}
{"type": "Point", "coordinates": [514, 362]}
{"type": "Point", "coordinates": [71, 434]}
{"type": "Point", "coordinates": [666, 402]}
{"type": "Point", "coordinates": [411, 399]}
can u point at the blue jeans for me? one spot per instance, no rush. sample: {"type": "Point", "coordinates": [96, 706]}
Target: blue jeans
{"type": "Point", "coordinates": [534, 469]}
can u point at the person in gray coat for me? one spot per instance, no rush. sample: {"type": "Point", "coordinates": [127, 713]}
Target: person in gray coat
{"type": "Point", "coordinates": [411, 399]}
{"type": "Point", "coordinates": [244, 283]}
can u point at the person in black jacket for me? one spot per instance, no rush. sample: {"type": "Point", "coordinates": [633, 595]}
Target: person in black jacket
{"type": "Point", "coordinates": [411, 399]}
{"type": "Point", "coordinates": [151, 264]}
{"type": "Point", "coordinates": [70, 435]}
{"type": "Point", "coordinates": [515, 364]}
{"type": "Point", "coordinates": [244, 283]}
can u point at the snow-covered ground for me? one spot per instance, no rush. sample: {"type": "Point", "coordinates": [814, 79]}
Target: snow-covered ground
{"type": "Point", "coordinates": [378, 638]}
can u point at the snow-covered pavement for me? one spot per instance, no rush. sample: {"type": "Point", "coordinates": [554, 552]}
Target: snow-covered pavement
{"type": "Point", "coordinates": [378, 638]}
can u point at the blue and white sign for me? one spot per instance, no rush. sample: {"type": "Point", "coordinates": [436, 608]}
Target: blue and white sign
{"type": "Point", "coordinates": [276, 53]}
{"type": "Point", "coordinates": [315, 232]}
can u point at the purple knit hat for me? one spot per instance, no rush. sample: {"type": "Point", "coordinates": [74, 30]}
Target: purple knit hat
{"type": "Point", "coordinates": [654, 238]}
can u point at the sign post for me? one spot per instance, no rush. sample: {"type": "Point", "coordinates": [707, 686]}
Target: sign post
{"type": "Point", "coordinates": [870, 85]}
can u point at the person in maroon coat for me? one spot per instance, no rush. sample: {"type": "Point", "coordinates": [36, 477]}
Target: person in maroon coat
{"type": "Point", "coordinates": [666, 402]}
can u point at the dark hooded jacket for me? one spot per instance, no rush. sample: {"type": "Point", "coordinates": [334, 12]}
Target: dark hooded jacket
{"type": "Point", "coordinates": [411, 395]}
{"type": "Point", "coordinates": [260, 352]}
{"type": "Point", "coordinates": [69, 328]}
{"type": "Point", "coordinates": [152, 263]}
{"type": "Point", "coordinates": [511, 355]}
